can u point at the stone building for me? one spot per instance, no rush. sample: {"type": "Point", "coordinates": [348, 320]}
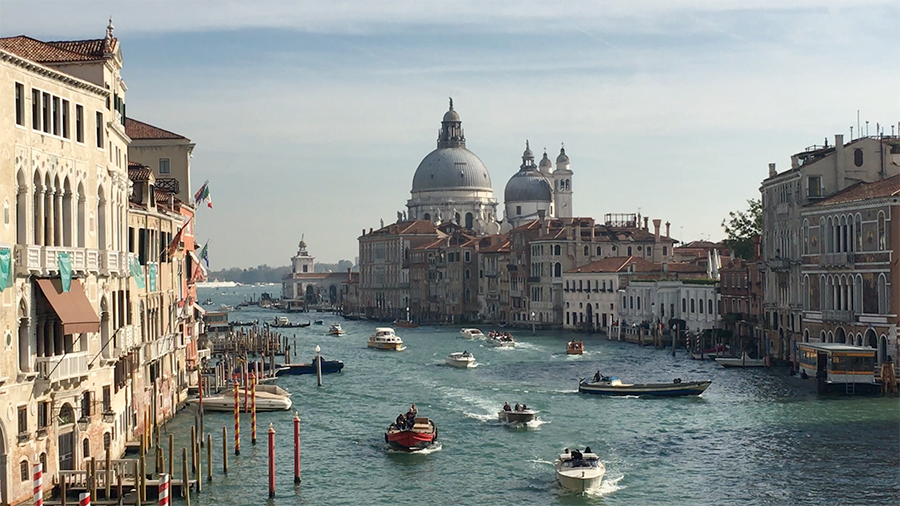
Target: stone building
{"type": "Point", "coordinates": [849, 271]}
{"type": "Point", "coordinates": [690, 304]}
{"type": "Point", "coordinates": [815, 173]}
{"type": "Point", "coordinates": [166, 153]}
{"type": "Point", "coordinates": [65, 191]}
{"type": "Point", "coordinates": [538, 191]}
{"type": "Point", "coordinates": [493, 278]}
{"type": "Point", "coordinates": [304, 287]}
{"type": "Point", "coordinates": [741, 297]}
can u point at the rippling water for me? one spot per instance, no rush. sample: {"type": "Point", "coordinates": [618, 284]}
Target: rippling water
{"type": "Point", "coordinates": [755, 437]}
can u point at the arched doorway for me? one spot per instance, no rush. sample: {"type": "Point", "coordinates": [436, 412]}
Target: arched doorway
{"type": "Point", "coordinates": [871, 339]}
{"type": "Point", "coordinates": [840, 336]}
{"type": "Point", "coordinates": [66, 429]}
{"type": "Point", "coordinates": [332, 294]}
{"type": "Point", "coordinates": [882, 349]}
{"type": "Point", "coordinates": [311, 294]}
{"type": "Point", "coordinates": [470, 221]}
{"type": "Point", "coordinates": [589, 317]}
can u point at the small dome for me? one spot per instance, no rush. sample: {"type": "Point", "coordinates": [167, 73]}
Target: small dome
{"type": "Point", "coordinates": [545, 162]}
{"type": "Point", "coordinates": [563, 157]}
{"type": "Point", "coordinates": [451, 116]}
{"type": "Point", "coordinates": [528, 186]}
{"type": "Point", "coordinates": [527, 155]}
{"type": "Point", "coordinates": [302, 244]}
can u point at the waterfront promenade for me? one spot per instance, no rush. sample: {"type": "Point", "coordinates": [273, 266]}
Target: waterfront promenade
{"type": "Point", "coordinates": [755, 437]}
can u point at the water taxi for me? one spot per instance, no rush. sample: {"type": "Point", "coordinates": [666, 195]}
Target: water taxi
{"type": "Point", "coordinates": [606, 385]}
{"type": "Point", "coordinates": [284, 322]}
{"type": "Point", "coordinates": [418, 435]}
{"type": "Point", "coordinates": [501, 340]}
{"type": "Point", "coordinates": [265, 401]}
{"type": "Point", "coordinates": [460, 359]}
{"type": "Point", "coordinates": [519, 415]}
{"type": "Point", "coordinates": [575, 348]}
{"type": "Point", "coordinates": [579, 471]}
{"type": "Point", "coordinates": [743, 361]}
{"type": "Point", "coordinates": [336, 329]}
{"type": "Point", "coordinates": [838, 368]}
{"type": "Point", "coordinates": [385, 339]}
{"type": "Point", "coordinates": [472, 333]}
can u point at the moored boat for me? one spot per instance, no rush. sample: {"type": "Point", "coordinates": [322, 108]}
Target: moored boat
{"type": "Point", "coordinates": [319, 322]}
{"type": "Point", "coordinates": [575, 348]}
{"type": "Point", "coordinates": [579, 471]}
{"type": "Point", "coordinates": [461, 359]}
{"type": "Point", "coordinates": [606, 385]}
{"type": "Point", "coordinates": [285, 322]}
{"type": "Point", "coordinates": [472, 333]}
{"type": "Point", "coordinates": [418, 435]}
{"type": "Point", "coordinates": [405, 324]}
{"type": "Point", "coordinates": [743, 361]}
{"type": "Point", "coordinates": [336, 329]}
{"type": "Point", "coordinates": [328, 366]}
{"type": "Point", "coordinates": [265, 401]}
{"type": "Point", "coordinates": [385, 339]}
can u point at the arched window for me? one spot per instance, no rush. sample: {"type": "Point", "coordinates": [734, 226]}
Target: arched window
{"type": "Point", "coordinates": [858, 157]}
{"type": "Point", "coordinates": [882, 244]}
{"type": "Point", "coordinates": [107, 441]}
{"type": "Point", "coordinates": [468, 274]}
{"type": "Point", "coordinates": [86, 448]}
{"type": "Point", "coordinates": [470, 221]}
{"type": "Point", "coordinates": [629, 251]}
{"type": "Point", "coordinates": [556, 250]}
{"type": "Point", "coordinates": [701, 306]}
{"type": "Point", "coordinates": [557, 269]}
{"type": "Point", "coordinates": [665, 250]}
{"type": "Point", "coordinates": [884, 302]}
{"type": "Point", "coordinates": [631, 302]}
{"type": "Point", "coordinates": [587, 251]}
{"type": "Point", "coordinates": [427, 216]}
{"type": "Point", "coordinates": [805, 236]}
{"type": "Point", "coordinates": [693, 309]}
{"type": "Point", "coordinates": [639, 302]}
{"type": "Point", "coordinates": [684, 305]}
{"type": "Point", "coordinates": [598, 250]}
{"type": "Point", "coordinates": [709, 307]}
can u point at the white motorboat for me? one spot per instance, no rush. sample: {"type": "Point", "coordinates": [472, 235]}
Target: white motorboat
{"type": "Point", "coordinates": [742, 361]}
{"type": "Point", "coordinates": [579, 471]}
{"type": "Point", "coordinates": [336, 329]}
{"type": "Point", "coordinates": [517, 416]}
{"type": "Point", "coordinates": [265, 401]}
{"type": "Point", "coordinates": [385, 339]}
{"type": "Point", "coordinates": [461, 359]}
{"type": "Point", "coordinates": [472, 333]}
{"type": "Point", "coordinates": [501, 340]}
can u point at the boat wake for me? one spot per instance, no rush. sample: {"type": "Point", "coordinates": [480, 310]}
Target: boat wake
{"type": "Point", "coordinates": [534, 424]}
{"type": "Point", "coordinates": [480, 417]}
{"type": "Point", "coordinates": [426, 451]}
{"type": "Point", "coordinates": [607, 486]}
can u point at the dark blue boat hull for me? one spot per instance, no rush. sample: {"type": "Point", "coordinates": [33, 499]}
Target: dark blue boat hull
{"type": "Point", "coordinates": [328, 367]}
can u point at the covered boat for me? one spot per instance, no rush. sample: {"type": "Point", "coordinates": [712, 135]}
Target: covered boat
{"type": "Point", "coordinates": [328, 366]}
{"type": "Point", "coordinates": [606, 385]}
{"type": "Point", "coordinates": [472, 333]}
{"type": "Point", "coordinates": [579, 471]}
{"type": "Point", "coordinates": [417, 436]}
{"type": "Point", "coordinates": [520, 415]}
{"type": "Point", "coordinates": [385, 339]}
{"type": "Point", "coordinates": [743, 361]}
{"type": "Point", "coordinates": [460, 359]}
{"type": "Point", "coordinates": [284, 322]}
{"type": "Point", "coordinates": [336, 329]}
{"type": "Point", "coordinates": [265, 401]}
{"type": "Point", "coordinates": [575, 348]}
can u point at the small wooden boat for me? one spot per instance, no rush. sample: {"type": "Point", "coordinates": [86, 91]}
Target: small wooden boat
{"type": "Point", "coordinates": [579, 471]}
{"type": "Point", "coordinates": [284, 322]}
{"type": "Point", "coordinates": [613, 386]}
{"type": "Point", "coordinates": [336, 330]}
{"type": "Point", "coordinates": [460, 359]}
{"type": "Point", "coordinates": [422, 434]}
{"type": "Point", "coordinates": [242, 323]}
{"type": "Point", "coordinates": [517, 416]}
{"type": "Point", "coordinates": [742, 361]}
{"type": "Point", "coordinates": [575, 348]}
{"type": "Point", "coordinates": [328, 367]}
{"type": "Point", "coordinates": [472, 333]}
{"type": "Point", "coordinates": [405, 324]}
{"type": "Point", "coordinates": [385, 339]}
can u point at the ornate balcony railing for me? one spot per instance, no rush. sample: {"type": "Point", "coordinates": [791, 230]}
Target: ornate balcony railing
{"type": "Point", "coordinates": [62, 367]}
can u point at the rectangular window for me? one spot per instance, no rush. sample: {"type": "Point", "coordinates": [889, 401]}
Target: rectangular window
{"type": "Point", "coordinates": [99, 129]}
{"type": "Point", "coordinates": [814, 184]}
{"type": "Point", "coordinates": [23, 419]}
{"type": "Point", "coordinates": [518, 210]}
{"type": "Point", "coordinates": [65, 118]}
{"type": "Point", "coordinates": [20, 104]}
{"type": "Point", "coordinates": [86, 405]}
{"type": "Point", "coordinates": [55, 111]}
{"type": "Point", "coordinates": [24, 472]}
{"type": "Point", "coordinates": [79, 123]}
{"type": "Point", "coordinates": [43, 414]}
{"type": "Point", "coordinates": [163, 165]}
{"type": "Point", "coordinates": [107, 398]}
{"type": "Point", "coordinates": [45, 103]}
{"type": "Point", "coordinates": [35, 109]}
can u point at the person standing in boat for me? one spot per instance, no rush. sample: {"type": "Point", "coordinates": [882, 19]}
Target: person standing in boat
{"type": "Point", "coordinates": [400, 422]}
{"type": "Point", "coordinates": [518, 407]}
{"type": "Point", "coordinates": [597, 376]}
{"type": "Point", "coordinates": [506, 407]}
{"type": "Point", "coordinates": [413, 410]}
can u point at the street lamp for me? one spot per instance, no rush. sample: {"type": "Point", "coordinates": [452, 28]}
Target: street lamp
{"type": "Point", "coordinates": [532, 322]}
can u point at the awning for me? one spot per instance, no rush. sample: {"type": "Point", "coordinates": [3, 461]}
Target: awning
{"type": "Point", "coordinates": [199, 309]}
{"type": "Point", "coordinates": [72, 307]}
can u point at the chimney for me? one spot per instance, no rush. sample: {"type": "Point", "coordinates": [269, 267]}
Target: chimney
{"type": "Point", "coordinates": [667, 229]}
{"type": "Point", "coordinates": [349, 274]}
{"type": "Point", "coordinates": [656, 224]}
{"type": "Point", "coordinates": [840, 172]}
{"type": "Point", "coordinates": [773, 172]}
{"type": "Point", "coordinates": [370, 230]}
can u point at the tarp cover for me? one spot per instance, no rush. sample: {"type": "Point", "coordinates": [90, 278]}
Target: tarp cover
{"type": "Point", "coordinates": [72, 307]}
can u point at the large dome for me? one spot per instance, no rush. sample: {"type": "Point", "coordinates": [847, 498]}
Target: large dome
{"type": "Point", "coordinates": [528, 186]}
{"type": "Point", "coordinates": [454, 168]}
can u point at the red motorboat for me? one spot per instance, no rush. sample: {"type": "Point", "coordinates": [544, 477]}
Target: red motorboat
{"type": "Point", "coordinates": [408, 438]}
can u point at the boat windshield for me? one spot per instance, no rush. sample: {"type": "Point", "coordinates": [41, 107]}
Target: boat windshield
{"type": "Point", "coordinates": [581, 463]}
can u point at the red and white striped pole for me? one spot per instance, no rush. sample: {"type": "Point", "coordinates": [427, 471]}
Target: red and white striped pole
{"type": "Point", "coordinates": [271, 461]}
{"type": "Point", "coordinates": [84, 499]}
{"type": "Point", "coordinates": [163, 490]}
{"type": "Point", "coordinates": [296, 447]}
{"type": "Point", "coordinates": [38, 471]}
{"type": "Point", "coordinates": [237, 421]}
{"type": "Point", "coordinates": [252, 408]}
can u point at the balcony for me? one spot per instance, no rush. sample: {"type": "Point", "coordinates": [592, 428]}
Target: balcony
{"type": "Point", "coordinates": [836, 259]}
{"type": "Point", "coordinates": [834, 315]}
{"type": "Point", "coordinates": [43, 260]}
{"type": "Point", "coordinates": [62, 367]}
{"type": "Point", "coordinates": [782, 208]}
{"type": "Point", "coordinates": [534, 279]}
{"type": "Point", "coordinates": [779, 264]}
{"type": "Point", "coordinates": [124, 341]}
{"type": "Point", "coordinates": [113, 262]}
{"type": "Point", "coordinates": [159, 348]}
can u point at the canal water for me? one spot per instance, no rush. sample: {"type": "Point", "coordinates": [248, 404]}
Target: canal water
{"type": "Point", "coordinates": [755, 437]}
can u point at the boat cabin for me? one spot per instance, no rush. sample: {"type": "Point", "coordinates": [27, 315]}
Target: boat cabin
{"type": "Point", "coordinates": [839, 368]}
{"type": "Point", "coordinates": [586, 460]}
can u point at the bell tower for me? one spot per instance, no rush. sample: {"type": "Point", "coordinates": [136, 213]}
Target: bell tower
{"type": "Point", "coordinates": [562, 185]}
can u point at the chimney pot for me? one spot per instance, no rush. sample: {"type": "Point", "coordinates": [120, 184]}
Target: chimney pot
{"type": "Point", "coordinates": [646, 225]}
{"type": "Point", "coordinates": [773, 172]}
{"type": "Point", "coordinates": [667, 229]}
{"type": "Point", "coordinates": [656, 224]}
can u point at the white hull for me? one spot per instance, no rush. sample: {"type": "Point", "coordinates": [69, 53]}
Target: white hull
{"type": "Point", "coordinates": [501, 344]}
{"type": "Point", "coordinates": [580, 480]}
{"type": "Point", "coordinates": [264, 402]}
{"type": "Point", "coordinates": [517, 417]}
{"type": "Point", "coordinates": [460, 362]}
{"type": "Point", "coordinates": [744, 361]}
{"type": "Point", "coordinates": [472, 334]}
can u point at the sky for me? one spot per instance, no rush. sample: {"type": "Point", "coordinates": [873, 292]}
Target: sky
{"type": "Point", "coordinates": [311, 117]}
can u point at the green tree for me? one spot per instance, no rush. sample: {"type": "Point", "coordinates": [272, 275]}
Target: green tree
{"type": "Point", "coordinates": [741, 227]}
